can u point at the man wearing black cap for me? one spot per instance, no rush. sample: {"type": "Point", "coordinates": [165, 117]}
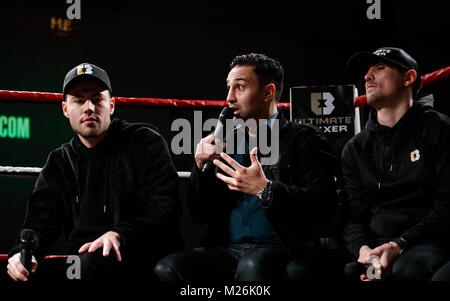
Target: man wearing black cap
{"type": "Point", "coordinates": [113, 188]}
{"type": "Point", "coordinates": [397, 174]}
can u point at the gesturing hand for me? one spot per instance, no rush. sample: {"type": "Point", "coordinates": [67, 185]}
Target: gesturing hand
{"type": "Point", "coordinates": [109, 240]}
{"type": "Point", "coordinates": [249, 180]}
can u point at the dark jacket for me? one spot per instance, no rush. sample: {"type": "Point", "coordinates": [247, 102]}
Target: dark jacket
{"type": "Point", "coordinates": [398, 180]}
{"type": "Point", "coordinates": [304, 192]}
{"type": "Point", "coordinates": [127, 184]}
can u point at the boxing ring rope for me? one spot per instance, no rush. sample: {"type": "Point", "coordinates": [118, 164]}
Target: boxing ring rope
{"type": "Point", "coordinates": [17, 171]}
{"type": "Point", "coordinates": [5, 95]}
{"type": "Point", "coordinates": [4, 257]}
{"type": "Point", "coordinates": [126, 101]}
{"type": "Point", "coordinates": [34, 171]}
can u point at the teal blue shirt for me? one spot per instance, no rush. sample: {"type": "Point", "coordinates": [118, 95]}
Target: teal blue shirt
{"type": "Point", "coordinates": [248, 221]}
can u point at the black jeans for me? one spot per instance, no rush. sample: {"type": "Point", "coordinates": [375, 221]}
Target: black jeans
{"type": "Point", "coordinates": [96, 267]}
{"type": "Point", "coordinates": [132, 267]}
{"type": "Point", "coordinates": [242, 262]}
{"type": "Point", "coordinates": [443, 274]}
{"type": "Point", "coordinates": [419, 263]}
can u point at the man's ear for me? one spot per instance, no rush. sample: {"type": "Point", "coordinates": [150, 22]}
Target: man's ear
{"type": "Point", "coordinates": [411, 76]}
{"type": "Point", "coordinates": [64, 108]}
{"type": "Point", "coordinates": [112, 105]}
{"type": "Point", "coordinates": [269, 91]}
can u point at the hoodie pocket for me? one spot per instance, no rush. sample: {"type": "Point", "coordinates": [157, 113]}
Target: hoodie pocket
{"type": "Point", "coordinates": [394, 222]}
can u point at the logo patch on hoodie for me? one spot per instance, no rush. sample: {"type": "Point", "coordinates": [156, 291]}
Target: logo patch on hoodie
{"type": "Point", "coordinates": [415, 155]}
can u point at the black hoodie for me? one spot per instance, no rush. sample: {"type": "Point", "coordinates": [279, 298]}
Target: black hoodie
{"type": "Point", "coordinates": [127, 183]}
{"type": "Point", "coordinates": [397, 180]}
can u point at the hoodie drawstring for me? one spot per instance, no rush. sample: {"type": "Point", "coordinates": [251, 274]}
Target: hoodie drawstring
{"type": "Point", "coordinates": [391, 161]}
{"type": "Point", "coordinates": [377, 144]}
{"type": "Point", "coordinates": [78, 192]}
{"type": "Point", "coordinates": [394, 149]}
{"type": "Point", "coordinates": [106, 184]}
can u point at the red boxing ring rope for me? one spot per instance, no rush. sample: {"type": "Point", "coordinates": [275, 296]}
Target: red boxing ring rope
{"type": "Point", "coordinates": [427, 79]}
{"type": "Point", "coordinates": [127, 101]}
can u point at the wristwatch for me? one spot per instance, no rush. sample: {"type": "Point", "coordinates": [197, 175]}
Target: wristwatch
{"type": "Point", "coordinates": [265, 194]}
{"type": "Point", "coordinates": [401, 243]}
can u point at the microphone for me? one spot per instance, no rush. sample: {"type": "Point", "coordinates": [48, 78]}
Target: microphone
{"type": "Point", "coordinates": [227, 113]}
{"type": "Point", "coordinates": [26, 248]}
{"type": "Point", "coordinates": [355, 269]}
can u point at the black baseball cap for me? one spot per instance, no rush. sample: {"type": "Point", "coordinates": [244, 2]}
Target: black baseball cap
{"type": "Point", "coordinates": [85, 71]}
{"type": "Point", "coordinates": [359, 63]}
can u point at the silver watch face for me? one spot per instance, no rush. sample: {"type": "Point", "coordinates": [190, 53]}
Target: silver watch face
{"type": "Point", "coordinates": [264, 194]}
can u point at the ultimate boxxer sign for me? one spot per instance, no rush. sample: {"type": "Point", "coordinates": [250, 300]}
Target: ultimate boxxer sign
{"type": "Point", "coordinates": [330, 108]}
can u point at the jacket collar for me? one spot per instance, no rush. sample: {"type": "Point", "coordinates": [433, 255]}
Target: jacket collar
{"type": "Point", "coordinates": [79, 147]}
{"type": "Point", "coordinates": [408, 120]}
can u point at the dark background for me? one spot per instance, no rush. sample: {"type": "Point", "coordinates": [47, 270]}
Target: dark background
{"type": "Point", "coordinates": [168, 49]}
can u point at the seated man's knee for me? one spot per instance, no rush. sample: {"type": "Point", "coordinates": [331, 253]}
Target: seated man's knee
{"type": "Point", "coordinates": [252, 267]}
{"type": "Point", "coordinates": [443, 274]}
{"type": "Point", "coordinates": [168, 268]}
{"type": "Point", "coordinates": [297, 271]}
{"type": "Point", "coordinates": [417, 264]}
{"type": "Point", "coordinates": [409, 271]}
{"type": "Point", "coordinates": [95, 266]}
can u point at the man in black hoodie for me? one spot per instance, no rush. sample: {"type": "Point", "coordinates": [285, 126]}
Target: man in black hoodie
{"type": "Point", "coordinates": [113, 188]}
{"type": "Point", "coordinates": [397, 174]}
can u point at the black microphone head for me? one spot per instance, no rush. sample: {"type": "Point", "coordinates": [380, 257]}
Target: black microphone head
{"type": "Point", "coordinates": [27, 236]}
{"type": "Point", "coordinates": [220, 131]}
{"type": "Point", "coordinates": [227, 113]}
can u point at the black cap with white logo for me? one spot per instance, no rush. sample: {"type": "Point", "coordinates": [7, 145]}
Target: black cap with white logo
{"type": "Point", "coordinates": [359, 63]}
{"type": "Point", "coordinates": [85, 71]}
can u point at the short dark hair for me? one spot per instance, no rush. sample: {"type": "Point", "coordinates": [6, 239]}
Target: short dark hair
{"type": "Point", "coordinates": [268, 69]}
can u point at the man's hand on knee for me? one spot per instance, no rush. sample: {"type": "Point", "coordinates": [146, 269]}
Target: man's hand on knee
{"type": "Point", "coordinates": [109, 240]}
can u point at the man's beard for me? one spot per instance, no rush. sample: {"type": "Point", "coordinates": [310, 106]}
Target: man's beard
{"type": "Point", "coordinates": [90, 132]}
